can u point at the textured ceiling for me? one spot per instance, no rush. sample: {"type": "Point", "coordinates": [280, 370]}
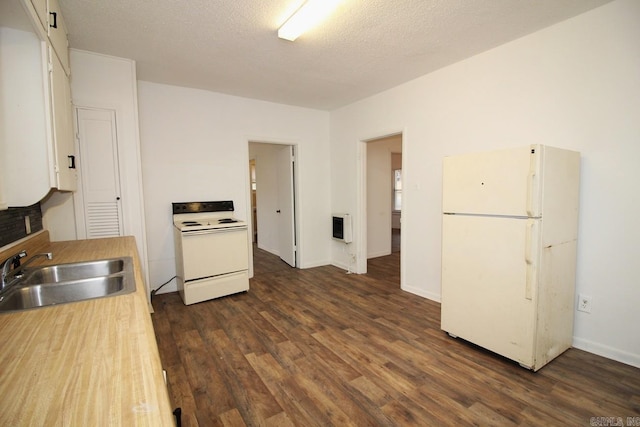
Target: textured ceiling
{"type": "Point", "coordinates": [365, 47]}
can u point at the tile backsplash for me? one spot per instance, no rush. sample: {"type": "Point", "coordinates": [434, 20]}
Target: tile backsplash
{"type": "Point", "coordinates": [12, 223]}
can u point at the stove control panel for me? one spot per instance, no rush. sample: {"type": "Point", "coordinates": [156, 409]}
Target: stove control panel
{"type": "Point", "coordinates": [199, 207]}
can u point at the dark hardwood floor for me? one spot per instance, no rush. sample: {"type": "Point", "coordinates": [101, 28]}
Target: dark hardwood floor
{"type": "Point", "coordinates": [265, 262]}
{"type": "Point", "coordinates": [320, 347]}
{"type": "Point", "coordinates": [395, 240]}
{"type": "Point", "coordinates": [385, 269]}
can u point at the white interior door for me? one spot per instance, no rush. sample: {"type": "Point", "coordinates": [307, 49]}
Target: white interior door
{"type": "Point", "coordinates": [100, 176]}
{"type": "Point", "coordinates": [286, 214]}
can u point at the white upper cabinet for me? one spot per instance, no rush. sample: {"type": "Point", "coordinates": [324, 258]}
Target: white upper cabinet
{"type": "Point", "coordinates": [41, 9]}
{"type": "Point", "coordinates": [25, 136]}
{"type": "Point", "coordinates": [57, 32]}
{"type": "Point", "coordinates": [64, 146]}
{"type": "Point", "coordinates": [37, 147]}
{"type": "Point", "coordinates": [48, 23]}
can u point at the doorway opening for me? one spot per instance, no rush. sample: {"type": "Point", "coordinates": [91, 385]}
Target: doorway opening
{"type": "Point", "coordinates": [382, 207]}
{"type": "Point", "coordinates": [273, 206]}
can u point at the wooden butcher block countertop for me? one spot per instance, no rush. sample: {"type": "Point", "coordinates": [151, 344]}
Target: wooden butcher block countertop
{"type": "Point", "coordinates": [89, 363]}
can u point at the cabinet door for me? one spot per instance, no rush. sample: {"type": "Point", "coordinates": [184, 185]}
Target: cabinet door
{"type": "Point", "coordinates": [40, 6]}
{"type": "Point", "coordinates": [63, 143]}
{"type": "Point", "coordinates": [24, 118]}
{"type": "Point", "coordinates": [58, 34]}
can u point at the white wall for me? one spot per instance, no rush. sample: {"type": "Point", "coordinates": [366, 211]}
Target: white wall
{"type": "Point", "coordinates": [59, 216]}
{"type": "Point", "coordinates": [379, 194]}
{"type": "Point", "coordinates": [195, 147]}
{"type": "Point", "coordinates": [575, 85]}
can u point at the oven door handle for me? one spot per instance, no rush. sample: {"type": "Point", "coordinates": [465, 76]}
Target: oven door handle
{"type": "Point", "coordinates": [216, 231]}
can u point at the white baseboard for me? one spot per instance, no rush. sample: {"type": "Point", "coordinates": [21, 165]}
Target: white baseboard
{"type": "Point", "coordinates": [606, 351]}
{"type": "Point", "coordinates": [272, 251]}
{"type": "Point", "coordinates": [421, 293]}
{"type": "Point", "coordinates": [313, 264]}
{"type": "Point", "coordinates": [343, 266]}
{"type": "Point", "coordinates": [377, 254]}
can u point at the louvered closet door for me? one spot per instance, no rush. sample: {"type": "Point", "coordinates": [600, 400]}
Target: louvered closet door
{"type": "Point", "coordinates": [100, 174]}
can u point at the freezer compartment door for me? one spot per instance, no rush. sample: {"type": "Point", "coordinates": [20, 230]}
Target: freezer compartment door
{"type": "Point", "coordinates": [503, 182]}
{"type": "Point", "coordinates": [489, 283]}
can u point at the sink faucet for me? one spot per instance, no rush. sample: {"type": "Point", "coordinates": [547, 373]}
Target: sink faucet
{"type": "Point", "coordinates": [18, 270]}
{"type": "Point", "coordinates": [13, 260]}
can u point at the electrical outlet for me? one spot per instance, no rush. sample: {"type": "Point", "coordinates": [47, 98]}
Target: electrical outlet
{"type": "Point", "coordinates": [27, 224]}
{"type": "Point", "coordinates": [584, 303]}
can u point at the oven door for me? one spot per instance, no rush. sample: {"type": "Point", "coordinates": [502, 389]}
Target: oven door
{"type": "Point", "coordinates": [207, 253]}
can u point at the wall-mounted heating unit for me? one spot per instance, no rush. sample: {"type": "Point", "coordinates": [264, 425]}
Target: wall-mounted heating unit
{"type": "Point", "coordinates": [342, 228]}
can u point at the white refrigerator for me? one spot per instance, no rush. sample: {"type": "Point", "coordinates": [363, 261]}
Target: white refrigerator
{"type": "Point", "coordinates": [509, 229]}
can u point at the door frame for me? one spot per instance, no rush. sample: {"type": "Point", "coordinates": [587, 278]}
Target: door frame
{"type": "Point", "coordinates": [361, 202]}
{"type": "Point", "coordinates": [296, 195]}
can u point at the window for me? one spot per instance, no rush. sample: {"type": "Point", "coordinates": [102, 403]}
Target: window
{"type": "Point", "coordinates": [397, 190]}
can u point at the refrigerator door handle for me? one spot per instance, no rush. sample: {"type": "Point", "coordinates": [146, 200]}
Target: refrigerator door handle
{"type": "Point", "coordinates": [530, 183]}
{"type": "Point", "coordinates": [529, 256]}
{"type": "Point", "coordinates": [531, 279]}
{"type": "Point", "coordinates": [533, 184]}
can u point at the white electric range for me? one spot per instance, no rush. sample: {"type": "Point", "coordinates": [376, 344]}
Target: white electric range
{"type": "Point", "coordinates": [212, 250]}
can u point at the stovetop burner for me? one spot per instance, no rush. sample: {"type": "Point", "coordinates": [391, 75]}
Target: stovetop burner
{"type": "Point", "coordinates": [227, 221]}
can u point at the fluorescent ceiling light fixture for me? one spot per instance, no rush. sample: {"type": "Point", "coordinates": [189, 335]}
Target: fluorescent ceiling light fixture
{"type": "Point", "coordinates": [307, 17]}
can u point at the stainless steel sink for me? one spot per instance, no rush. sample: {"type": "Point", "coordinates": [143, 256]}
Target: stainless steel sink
{"type": "Point", "coordinates": [65, 283]}
{"type": "Point", "coordinates": [75, 271]}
